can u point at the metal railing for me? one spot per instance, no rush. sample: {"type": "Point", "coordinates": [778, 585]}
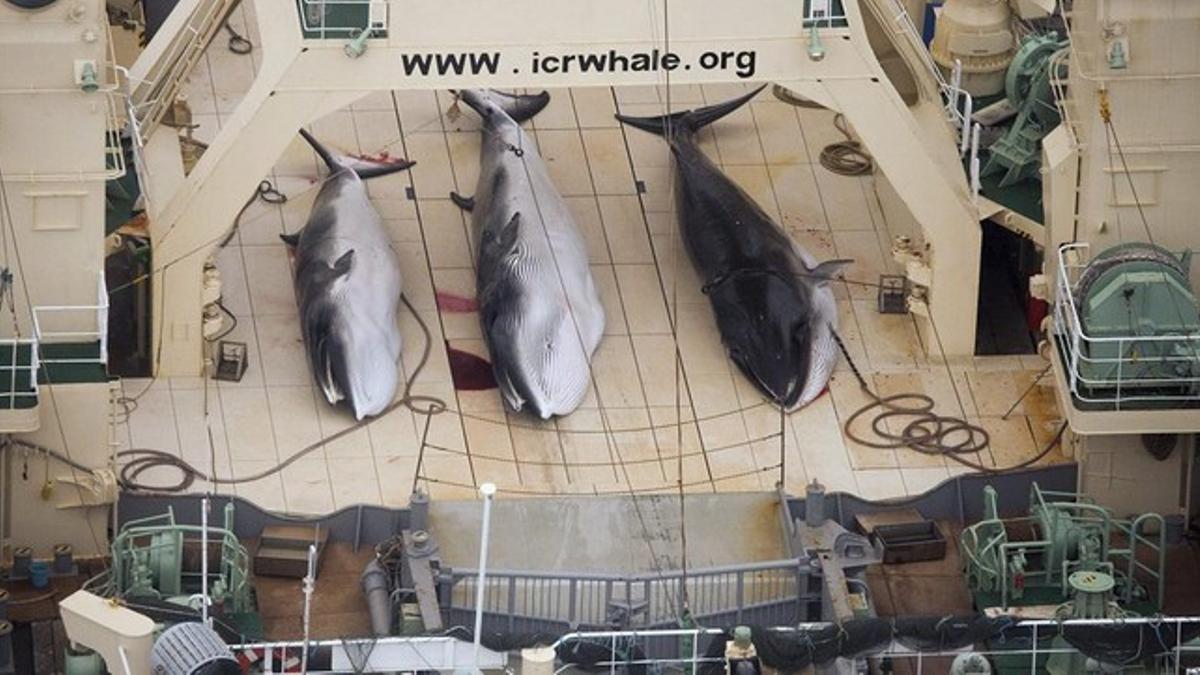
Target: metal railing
{"type": "Point", "coordinates": [325, 19]}
{"type": "Point", "coordinates": [772, 592]}
{"type": "Point", "coordinates": [370, 655]}
{"type": "Point", "coordinates": [152, 96]}
{"type": "Point", "coordinates": [951, 90]}
{"type": "Point", "coordinates": [17, 379]}
{"type": "Point", "coordinates": [42, 315]}
{"type": "Point", "coordinates": [1117, 380]}
{"type": "Point", "coordinates": [114, 154]}
{"type": "Point", "coordinates": [820, 13]}
{"type": "Point", "coordinates": [1058, 86]}
{"type": "Point", "coordinates": [1032, 642]}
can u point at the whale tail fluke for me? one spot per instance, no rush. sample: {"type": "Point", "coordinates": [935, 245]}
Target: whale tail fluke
{"type": "Point", "coordinates": [365, 167]}
{"type": "Point", "coordinates": [688, 121]}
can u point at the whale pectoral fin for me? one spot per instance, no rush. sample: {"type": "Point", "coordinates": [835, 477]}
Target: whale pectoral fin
{"type": "Point", "coordinates": [465, 203]}
{"type": "Point", "coordinates": [507, 236]}
{"type": "Point", "coordinates": [828, 270]}
{"type": "Point", "coordinates": [292, 240]}
{"type": "Point", "coordinates": [323, 368]}
{"type": "Point", "coordinates": [499, 240]}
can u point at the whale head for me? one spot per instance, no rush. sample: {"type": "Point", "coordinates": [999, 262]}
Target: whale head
{"type": "Point", "coordinates": [766, 326]}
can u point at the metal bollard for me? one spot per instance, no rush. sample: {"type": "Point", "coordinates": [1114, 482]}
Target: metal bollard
{"type": "Point", "coordinates": [64, 559]}
{"type": "Point", "coordinates": [5, 645]}
{"type": "Point", "coordinates": [3, 604]}
{"type": "Point", "coordinates": [418, 511]}
{"type": "Point", "coordinates": [22, 556]}
{"type": "Point", "coordinates": [814, 504]}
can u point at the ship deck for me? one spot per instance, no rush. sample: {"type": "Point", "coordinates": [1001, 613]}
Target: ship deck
{"type": "Point", "coordinates": [625, 436]}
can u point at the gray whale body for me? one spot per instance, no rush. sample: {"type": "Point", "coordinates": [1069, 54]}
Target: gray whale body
{"type": "Point", "coordinates": [771, 298]}
{"type": "Point", "coordinates": [348, 285]}
{"type": "Point", "coordinates": [539, 308]}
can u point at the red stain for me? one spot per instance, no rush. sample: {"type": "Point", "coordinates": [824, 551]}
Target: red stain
{"type": "Point", "coordinates": [382, 157]}
{"type": "Point", "coordinates": [456, 304]}
{"type": "Point", "coordinates": [468, 371]}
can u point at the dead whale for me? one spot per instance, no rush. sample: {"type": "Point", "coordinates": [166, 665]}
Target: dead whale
{"type": "Point", "coordinates": [771, 298]}
{"type": "Point", "coordinates": [348, 284]}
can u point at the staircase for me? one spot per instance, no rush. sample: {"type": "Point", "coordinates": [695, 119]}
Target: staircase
{"type": "Point", "coordinates": [159, 73]}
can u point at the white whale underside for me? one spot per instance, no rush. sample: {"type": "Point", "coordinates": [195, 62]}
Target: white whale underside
{"type": "Point", "coordinates": [825, 351]}
{"type": "Point", "coordinates": [559, 319]}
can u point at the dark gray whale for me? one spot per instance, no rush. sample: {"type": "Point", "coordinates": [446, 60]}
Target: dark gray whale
{"type": "Point", "coordinates": [348, 285]}
{"type": "Point", "coordinates": [541, 314]}
{"type": "Point", "coordinates": [771, 298]}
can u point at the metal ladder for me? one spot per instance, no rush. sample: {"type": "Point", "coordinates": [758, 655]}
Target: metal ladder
{"type": "Point", "coordinates": [159, 73]}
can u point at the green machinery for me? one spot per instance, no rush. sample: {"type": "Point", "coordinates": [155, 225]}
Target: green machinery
{"type": "Point", "coordinates": [1032, 560]}
{"type": "Point", "coordinates": [1027, 88]}
{"type": "Point", "coordinates": [148, 560]}
{"type": "Point", "coordinates": [1139, 322]}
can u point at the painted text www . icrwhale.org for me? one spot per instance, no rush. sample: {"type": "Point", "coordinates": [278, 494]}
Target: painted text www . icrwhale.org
{"type": "Point", "coordinates": [740, 63]}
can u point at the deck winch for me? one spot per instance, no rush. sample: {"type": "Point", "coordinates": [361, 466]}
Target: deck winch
{"type": "Point", "coordinates": [1027, 88]}
{"type": "Point", "coordinates": [1140, 320]}
{"type": "Point", "coordinates": [1032, 560]}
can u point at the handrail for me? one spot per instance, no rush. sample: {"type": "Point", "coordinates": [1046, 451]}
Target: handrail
{"type": "Point", "coordinates": [10, 371]}
{"type": "Point", "coordinates": [114, 155]}
{"type": "Point", "coordinates": [588, 598]}
{"type": "Point", "coordinates": [313, 21]}
{"type": "Point", "coordinates": [153, 97]}
{"type": "Point", "coordinates": [1079, 347]}
{"type": "Point", "coordinates": [98, 334]}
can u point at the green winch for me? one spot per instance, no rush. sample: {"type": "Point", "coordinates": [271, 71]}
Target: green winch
{"type": "Point", "coordinates": [1140, 323]}
{"type": "Point", "coordinates": [1027, 85]}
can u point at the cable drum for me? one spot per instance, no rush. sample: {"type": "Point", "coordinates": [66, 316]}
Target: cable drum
{"type": "Point", "coordinates": [192, 648]}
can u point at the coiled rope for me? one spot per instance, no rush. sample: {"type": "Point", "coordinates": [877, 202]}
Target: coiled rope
{"type": "Point", "coordinates": [845, 158]}
{"type": "Point", "coordinates": [141, 460]}
{"type": "Point", "coordinates": [926, 431]}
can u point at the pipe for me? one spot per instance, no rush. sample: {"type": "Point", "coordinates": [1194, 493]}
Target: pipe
{"type": "Point", "coordinates": [204, 562]}
{"type": "Point", "coordinates": [374, 581]}
{"type": "Point", "coordinates": [488, 490]}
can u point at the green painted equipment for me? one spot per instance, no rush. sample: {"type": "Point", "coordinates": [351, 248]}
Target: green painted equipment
{"type": "Point", "coordinates": [1027, 86]}
{"type": "Point", "coordinates": [1031, 560]}
{"type": "Point", "coordinates": [148, 561]}
{"type": "Point", "coordinates": [1139, 316]}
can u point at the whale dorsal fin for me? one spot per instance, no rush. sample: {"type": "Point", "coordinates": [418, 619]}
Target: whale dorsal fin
{"type": "Point", "coordinates": [828, 270]}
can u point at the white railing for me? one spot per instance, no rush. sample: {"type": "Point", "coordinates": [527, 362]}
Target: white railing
{"type": "Point", "coordinates": [114, 154]}
{"type": "Point", "coordinates": [10, 373]}
{"type": "Point", "coordinates": [372, 655]}
{"type": "Point", "coordinates": [818, 12]}
{"type": "Point", "coordinates": [952, 92]}
{"type": "Point", "coordinates": [313, 15]}
{"type": "Point", "coordinates": [1058, 86]}
{"type": "Point", "coordinates": [1166, 644]}
{"type": "Point", "coordinates": [42, 315]}
{"type": "Point", "coordinates": [1088, 375]}
{"type": "Point", "coordinates": [157, 86]}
